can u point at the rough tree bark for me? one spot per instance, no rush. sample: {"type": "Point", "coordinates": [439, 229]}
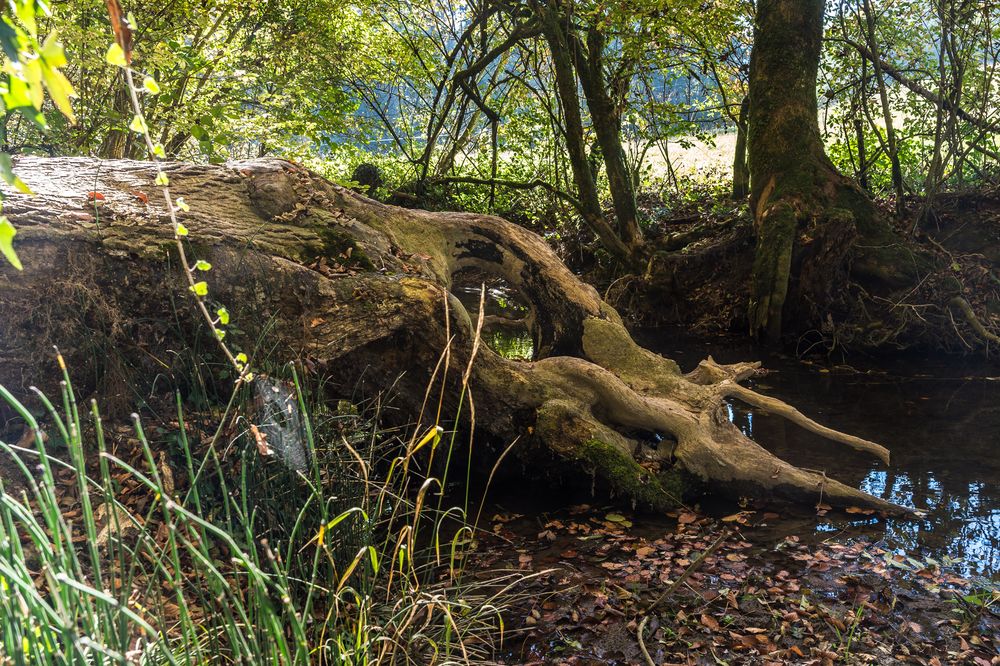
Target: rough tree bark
{"type": "Point", "coordinates": [741, 170]}
{"type": "Point", "coordinates": [807, 214]}
{"type": "Point", "coordinates": [583, 177]}
{"type": "Point", "coordinates": [353, 287]}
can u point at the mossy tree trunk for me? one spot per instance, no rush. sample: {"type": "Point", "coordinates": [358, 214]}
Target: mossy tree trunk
{"type": "Point", "coordinates": [362, 291]}
{"type": "Point", "coordinates": [807, 214]}
{"type": "Point", "coordinates": [741, 170]}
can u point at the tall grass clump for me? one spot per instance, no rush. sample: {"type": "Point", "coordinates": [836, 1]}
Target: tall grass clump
{"type": "Point", "coordinates": [234, 555]}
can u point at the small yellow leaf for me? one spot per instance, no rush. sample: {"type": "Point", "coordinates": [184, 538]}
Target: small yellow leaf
{"type": "Point", "coordinates": [116, 56]}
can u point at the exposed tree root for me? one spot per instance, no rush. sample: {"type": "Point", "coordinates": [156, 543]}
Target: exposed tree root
{"type": "Point", "coordinates": [357, 288]}
{"type": "Point", "coordinates": [973, 321]}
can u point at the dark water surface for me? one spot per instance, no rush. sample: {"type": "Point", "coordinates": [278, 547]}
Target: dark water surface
{"type": "Point", "coordinates": [940, 418]}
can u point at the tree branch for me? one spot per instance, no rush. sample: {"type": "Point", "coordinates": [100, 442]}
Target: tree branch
{"type": "Point", "coordinates": [516, 185]}
{"type": "Point", "coordinates": [920, 90]}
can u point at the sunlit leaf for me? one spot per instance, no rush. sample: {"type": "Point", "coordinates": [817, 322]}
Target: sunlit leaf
{"type": "Point", "coordinates": [8, 175]}
{"type": "Point", "coordinates": [116, 55]}
{"type": "Point", "coordinates": [7, 233]}
{"type": "Point", "coordinates": [60, 90]}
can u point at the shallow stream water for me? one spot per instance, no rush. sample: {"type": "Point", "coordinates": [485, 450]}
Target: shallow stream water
{"type": "Point", "coordinates": [940, 418]}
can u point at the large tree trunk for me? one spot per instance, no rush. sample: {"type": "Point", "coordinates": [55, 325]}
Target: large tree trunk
{"type": "Point", "coordinates": [355, 288]}
{"type": "Point", "coordinates": [807, 215]}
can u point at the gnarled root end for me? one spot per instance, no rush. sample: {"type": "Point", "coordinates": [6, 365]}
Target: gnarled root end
{"type": "Point", "coordinates": [592, 407]}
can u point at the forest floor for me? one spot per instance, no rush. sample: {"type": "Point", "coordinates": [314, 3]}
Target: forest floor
{"type": "Point", "coordinates": [764, 593]}
{"type": "Point", "coordinates": [603, 575]}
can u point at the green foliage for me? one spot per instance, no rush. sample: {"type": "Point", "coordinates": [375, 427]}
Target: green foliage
{"type": "Point", "coordinates": [239, 559]}
{"type": "Point", "coordinates": [333, 85]}
{"type": "Point", "coordinates": [31, 67]}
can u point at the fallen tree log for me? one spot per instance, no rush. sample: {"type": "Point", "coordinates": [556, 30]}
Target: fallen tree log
{"type": "Point", "coordinates": [358, 289]}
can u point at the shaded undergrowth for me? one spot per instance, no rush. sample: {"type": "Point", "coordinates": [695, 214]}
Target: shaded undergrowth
{"type": "Point", "coordinates": [204, 541]}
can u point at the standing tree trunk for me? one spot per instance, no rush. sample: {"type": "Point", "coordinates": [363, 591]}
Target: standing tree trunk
{"type": "Point", "coordinates": [741, 170]}
{"type": "Point", "coordinates": [807, 215]}
{"type": "Point", "coordinates": [605, 116]}
{"type": "Point", "coordinates": [569, 98]}
{"type": "Point", "coordinates": [891, 145]}
{"type": "Point", "coordinates": [115, 141]}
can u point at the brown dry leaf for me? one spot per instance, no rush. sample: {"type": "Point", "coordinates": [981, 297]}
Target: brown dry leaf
{"type": "Point", "coordinates": [166, 474]}
{"type": "Point", "coordinates": [710, 622]}
{"type": "Point", "coordinates": [686, 518]}
{"type": "Point", "coordinates": [125, 528]}
{"type": "Point", "coordinates": [261, 439]}
{"type": "Point", "coordinates": [120, 28]}
{"type": "Point", "coordinates": [27, 438]}
{"type": "Point", "coordinates": [644, 551]}
{"type": "Point", "coordinates": [857, 509]}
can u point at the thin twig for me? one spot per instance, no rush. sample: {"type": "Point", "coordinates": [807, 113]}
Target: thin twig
{"type": "Point", "coordinates": [642, 643]}
{"type": "Point", "coordinates": [690, 570]}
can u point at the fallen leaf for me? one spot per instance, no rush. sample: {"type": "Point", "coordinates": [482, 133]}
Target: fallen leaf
{"type": "Point", "coordinates": [710, 622]}
{"type": "Point", "coordinates": [261, 439]}
{"type": "Point", "coordinates": [166, 475]}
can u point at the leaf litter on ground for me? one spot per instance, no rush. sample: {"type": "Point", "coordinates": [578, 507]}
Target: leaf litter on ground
{"type": "Point", "coordinates": [789, 602]}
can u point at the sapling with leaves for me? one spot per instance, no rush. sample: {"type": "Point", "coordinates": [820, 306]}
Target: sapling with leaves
{"type": "Point", "coordinates": [119, 54]}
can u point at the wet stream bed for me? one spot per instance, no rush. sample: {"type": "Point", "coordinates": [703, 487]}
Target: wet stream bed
{"type": "Point", "coordinates": [940, 419]}
{"type": "Point", "coordinates": [784, 584]}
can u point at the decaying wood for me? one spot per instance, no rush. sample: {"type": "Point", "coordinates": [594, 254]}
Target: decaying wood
{"type": "Point", "coordinates": [357, 289]}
